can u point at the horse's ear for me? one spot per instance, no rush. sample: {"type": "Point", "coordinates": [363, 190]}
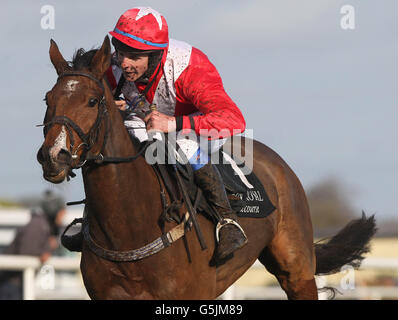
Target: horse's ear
{"type": "Point", "coordinates": [102, 59]}
{"type": "Point", "coordinates": [57, 59]}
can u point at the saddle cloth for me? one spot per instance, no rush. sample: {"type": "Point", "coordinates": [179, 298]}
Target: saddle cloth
{"type": "Point", "coordinates": [247, 195]}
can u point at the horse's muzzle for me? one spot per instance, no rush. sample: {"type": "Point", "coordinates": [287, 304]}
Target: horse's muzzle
{"type": "Point", "coordinates": [55, 166]}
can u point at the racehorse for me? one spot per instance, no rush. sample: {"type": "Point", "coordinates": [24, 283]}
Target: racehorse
{"type": "Point", "coordinates": [123, 205]}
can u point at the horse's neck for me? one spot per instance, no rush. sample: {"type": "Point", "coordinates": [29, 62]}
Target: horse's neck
{"type": "Point", "coordinates": [119, 195]}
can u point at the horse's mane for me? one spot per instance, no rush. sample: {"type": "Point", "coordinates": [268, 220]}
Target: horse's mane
{"type": "Point", "coordinates": [82, 59]}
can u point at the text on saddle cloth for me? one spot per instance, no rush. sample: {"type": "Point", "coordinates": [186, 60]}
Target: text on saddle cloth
{"type": "Point", "coordinates": [252, 200]}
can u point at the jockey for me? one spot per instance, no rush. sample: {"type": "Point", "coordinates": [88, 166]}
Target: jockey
{"type": "Point", "coordinates": [150, 69]}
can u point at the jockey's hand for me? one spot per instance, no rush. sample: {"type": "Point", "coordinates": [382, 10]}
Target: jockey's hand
{"type": "Point", "coordinates": [160, 122]}
{"type": "Point", "coordinates": [121, 104]}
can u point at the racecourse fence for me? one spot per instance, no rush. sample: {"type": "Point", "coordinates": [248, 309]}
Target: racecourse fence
{"type": "Point", "coordinates": [48, 281]}
{"type": "Point", "coordinates": [60, 277]}
{"type": "Point", "coordinates": [356, 291]}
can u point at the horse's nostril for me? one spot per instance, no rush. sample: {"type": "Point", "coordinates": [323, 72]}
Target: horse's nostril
{"type": "Point", "coordinates": [64, 156]}
{"type": "Point", "coordinates": [40, 156]}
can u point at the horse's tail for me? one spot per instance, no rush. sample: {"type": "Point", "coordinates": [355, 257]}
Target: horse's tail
{"type": "Point", "coordinates": [345, 248]}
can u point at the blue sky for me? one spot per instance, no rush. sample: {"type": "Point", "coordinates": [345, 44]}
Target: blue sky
{"type": "Point", "coordinates": [322, 97]}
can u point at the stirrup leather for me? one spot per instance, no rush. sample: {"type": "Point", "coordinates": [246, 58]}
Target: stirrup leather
{"type": "Point", "coordinates": [224, 222]}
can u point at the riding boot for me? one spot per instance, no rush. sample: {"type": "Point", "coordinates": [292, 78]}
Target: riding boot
{"type": "Point", "coordinates": [229, 234]}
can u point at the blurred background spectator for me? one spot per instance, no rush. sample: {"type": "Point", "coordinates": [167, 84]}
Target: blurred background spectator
{"type": "Point", "coordinates": [37, 238]}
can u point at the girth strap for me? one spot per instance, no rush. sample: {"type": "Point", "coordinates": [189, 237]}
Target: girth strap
{"type": "Point", "coordinates": [155, 246]}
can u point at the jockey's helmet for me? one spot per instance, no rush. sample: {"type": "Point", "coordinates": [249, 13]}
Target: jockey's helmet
{"type": "Point", "coordinates": [142, 28]}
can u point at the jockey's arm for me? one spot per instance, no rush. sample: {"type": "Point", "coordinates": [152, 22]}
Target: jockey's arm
{"type": "Point", "coordinates": [201, 85]}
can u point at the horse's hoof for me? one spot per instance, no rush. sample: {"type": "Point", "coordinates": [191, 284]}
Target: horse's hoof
{"type": "Point", "coordinates": [73, 242]}
{"type": "Point", "coordinates": [231, 239]}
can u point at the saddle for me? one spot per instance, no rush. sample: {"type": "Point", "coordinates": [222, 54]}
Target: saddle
{"type": "Point", "coordinates": [246, 193]}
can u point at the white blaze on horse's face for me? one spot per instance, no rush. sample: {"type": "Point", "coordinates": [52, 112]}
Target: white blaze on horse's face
{"type": "Point", "coordinates": [71, 86]}
{"type": "Point", "coordinates": [59, 144]}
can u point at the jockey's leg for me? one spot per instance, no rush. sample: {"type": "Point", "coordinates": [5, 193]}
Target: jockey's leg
{"type": "Point", "coordinates": [231, 235]}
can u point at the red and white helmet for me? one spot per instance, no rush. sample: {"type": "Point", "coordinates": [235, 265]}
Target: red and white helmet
{"type": "Point", "coordinates": [142, 28]}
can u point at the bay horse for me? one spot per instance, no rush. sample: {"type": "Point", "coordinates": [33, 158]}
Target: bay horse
{"type": "Point", "coordinates": [123, 205]}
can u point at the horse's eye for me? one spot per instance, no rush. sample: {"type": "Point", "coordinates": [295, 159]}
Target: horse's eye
{"type": "Point", "coordinates": [92, 102]}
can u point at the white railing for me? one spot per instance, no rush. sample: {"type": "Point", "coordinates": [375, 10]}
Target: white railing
{"type": "Point", "coordinates": [29, 266]}
{"type": "Point", "coordinates": [358, 292]}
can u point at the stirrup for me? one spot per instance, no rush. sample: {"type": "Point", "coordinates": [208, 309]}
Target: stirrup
{"type": "Point", "coordinates": [224, 222]}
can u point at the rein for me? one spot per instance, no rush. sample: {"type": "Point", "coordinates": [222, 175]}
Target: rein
{"type": "Point", "coordinates": [89, 139]}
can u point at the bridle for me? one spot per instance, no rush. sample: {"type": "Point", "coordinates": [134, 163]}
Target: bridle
{"type": "Point", "coordinates": [90, 138]}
